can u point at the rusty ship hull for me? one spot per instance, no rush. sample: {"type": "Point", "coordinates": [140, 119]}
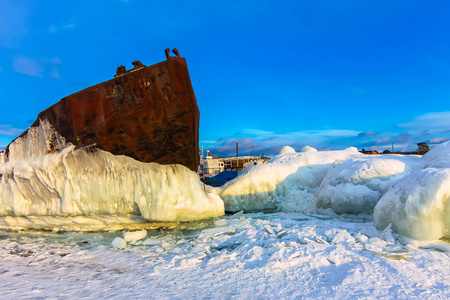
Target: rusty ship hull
{"type": "Point", "coordinates": [147, 113]}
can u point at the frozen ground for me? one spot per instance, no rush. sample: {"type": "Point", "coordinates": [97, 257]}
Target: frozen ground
{"type": "Point", "coordinates": [244, 256]}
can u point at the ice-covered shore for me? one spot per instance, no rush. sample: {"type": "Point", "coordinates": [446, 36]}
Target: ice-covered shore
{"type": "Point", "coordinates": [45, 176]}
{"type": "Point", "coordinates": [410, 192]}
{"type": "Point", "coordinates": [242, 256]}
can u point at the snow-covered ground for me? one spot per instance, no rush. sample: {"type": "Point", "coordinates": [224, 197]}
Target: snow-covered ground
{"type": "Point", "coordinates": [243, 256]}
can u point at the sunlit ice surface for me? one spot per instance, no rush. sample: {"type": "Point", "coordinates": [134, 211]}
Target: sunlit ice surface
{"type": "Point", "coordinates": [243, 256]}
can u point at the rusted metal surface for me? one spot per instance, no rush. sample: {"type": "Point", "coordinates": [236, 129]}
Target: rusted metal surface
{"type": "Point", "coordinates": [147, 113]}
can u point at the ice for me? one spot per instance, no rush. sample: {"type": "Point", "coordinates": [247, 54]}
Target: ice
{"type": "Point", "coordinates": [2, 157]}
{"type": "Point", "coordinates": [94, 182]}
{"type": "Point", "coordinates": [355, 185]}
{"type": "Point", "coordinates": [44, 176]}
{"type": "Point", "coordinates": [247, 256]}
{"type": "Point", "coordinates": [438, 157]}
{"type": "Point", "coordinates": [39, 141]}
{"type": "Point", "coordinates": [288, 182]}
{"type": "Point", "coordinates": [308, 149]}
{"type": "Point", "coordinates": [411, 192]}
{"type": "Point", "coordinates": [133, 236]}
{"type": "Point", "coordinates": [418, 205]}
{"type": "Point", "coordinates": [119, 243]}
{"type": "Point", "coordinates": [286, 149]}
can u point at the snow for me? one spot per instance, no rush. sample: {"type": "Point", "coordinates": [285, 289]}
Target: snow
{"type": "Point", "coordinates": [87, 182]}
{"type": "Point", "coordinates": [243, 256]}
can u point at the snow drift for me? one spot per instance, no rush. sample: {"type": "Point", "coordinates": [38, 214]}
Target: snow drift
{"type": "Point", "coordinates": [45, 176]}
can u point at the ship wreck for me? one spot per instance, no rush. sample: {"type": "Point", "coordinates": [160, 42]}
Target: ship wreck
{"type": "Point", "coordinates": [119, 152]}
{"type": "Point", "coordinates": [147, 113]}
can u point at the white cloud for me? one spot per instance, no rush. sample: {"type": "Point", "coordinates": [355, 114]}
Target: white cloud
{"type": "Point", "coordinates": [54, 71]}
{"type": "Point", "coordinates": [258, 132]}
{"type": "Point", "coordinates": [434, 122]}
{"type": "Point", "coordinates": [9, 130]}
{"type": "Point", "coordinates": [439, 140]}
{"type": "Point", "coordinates": [62, 27]}
{"type": "Point", "coordinates": [28, 66]}
{"type": "Point", "coordinates": [301, 134]}
{"type": "Point", "coordinates": [37, 67]}
{"type": "Point", "coordinates": [327, 133]}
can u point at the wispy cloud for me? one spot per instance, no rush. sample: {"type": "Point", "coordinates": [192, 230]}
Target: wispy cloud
{"type": "Point", "coordinates": [402, 138]}
{"type": "Point", "coordinates": [1, 69]}
{"type": "Point", "coordinates": [62, 27]}
{"type": "Point", "coordinates": [28, 66]}
{"type": "Point", "coordinates": [438, 140]}
{"type": "Point", "coordinates": [269, 142]}
{"type": "Point", "coordinates": [367, 133]}
{"type": "Point", "coordinates": [300, 134]}
{"type": "Point", "coordinates": [432, 128]}
{"type": "Point", "coordinates": [37, 67]}
{"type": "Point", "coordinates": [430, 122]}
{"type": "Point", "coordinates": [9, 130]}
{"type": "Point", "coordinates": [54, 71]}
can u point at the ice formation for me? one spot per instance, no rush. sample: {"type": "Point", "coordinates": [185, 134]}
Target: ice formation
{"type": "Point", "coordinates": [288, 182]}
{"type": "Point", "coordinates": [286, 149]}
{"type": "Point", "coordinates": [131, 236]}
{"type": "Point", "coordinates": [39, 179]}
{"type": "Point", "coordinates": [438, 157]}
{"type": "Point", "coordinates": [45, 176]}
{"type": "Point", "coordinates": [119, 243]}
{"type": "Point", "coordinates": [355, 185]}
{"type": "Point", "coordinates": [39, 141]}
{"type": "Point", "coordinates": [418, 205]}
{"type": "Point", "coordinates": [308, 149]}
{"type": "Point", "coordinates": [409, 192]}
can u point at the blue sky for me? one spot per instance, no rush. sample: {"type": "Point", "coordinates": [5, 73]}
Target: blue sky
{"type": "Point", "coordinates": [329, 74]}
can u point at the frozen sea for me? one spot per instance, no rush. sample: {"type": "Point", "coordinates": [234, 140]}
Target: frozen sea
{"type": "Point", "coordinates": [240, 256]}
